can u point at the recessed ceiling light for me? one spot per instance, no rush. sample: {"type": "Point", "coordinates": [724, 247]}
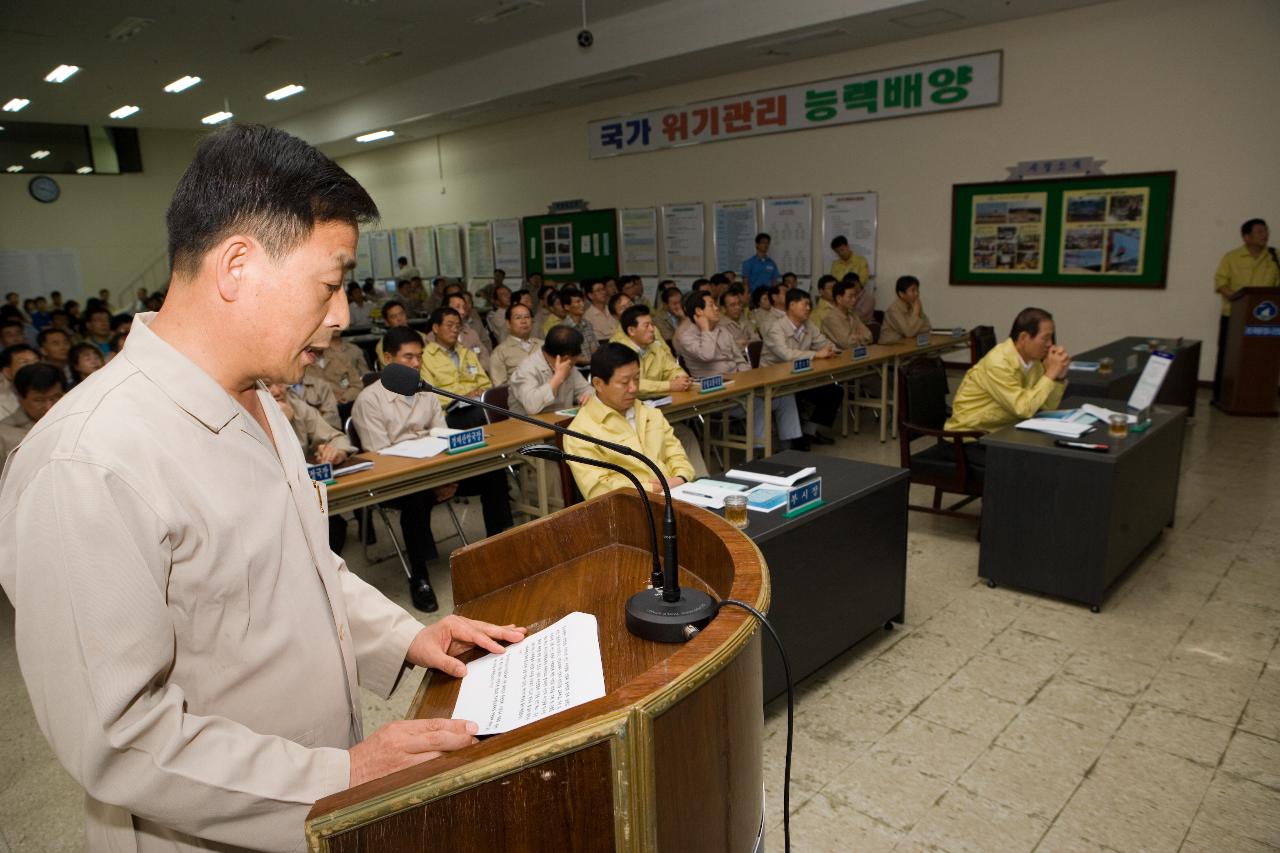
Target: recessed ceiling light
{"type": "Point", "coordinates": [375, 136]}
{"type": "Point", "coordinates": [61, 74]}
{"type": "Point", "coordinates": [15, 104]}
{"type": "Point", "coordinates": [182, 83]}
{"type": "Point", "coordinates": [284, 92]}
{"type": "Point", "coordinates": [84, 170]}
{"type": "Point", "coordinates": [14, 169]}
{"type": "Point", "coordinates": [124, 112]}
{"type": "Point", "coordinates": [214, 118]}
{"type": "Point", "coordinates": [39, 155]}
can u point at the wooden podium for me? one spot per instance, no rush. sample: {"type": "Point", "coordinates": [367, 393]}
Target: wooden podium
{"type": "Point", "coordinates": [669, 759]}
{"type": "Point", "coordinates": [1251, 372]}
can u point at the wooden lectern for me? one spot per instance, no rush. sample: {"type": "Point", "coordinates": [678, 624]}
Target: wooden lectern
{"type": "Point", "coordinates": [1251, 372]}
{"type": "Point", "coordinates": [669, 759]}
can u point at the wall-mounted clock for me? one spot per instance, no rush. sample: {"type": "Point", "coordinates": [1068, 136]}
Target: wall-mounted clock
{"type": "Point", "coordinates": [44, 189]}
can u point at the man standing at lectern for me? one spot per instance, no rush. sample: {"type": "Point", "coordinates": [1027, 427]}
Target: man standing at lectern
{"type": "Point", "coordinates": [192, 648]}
{"type": "Point", "coordinates": [1252, 265]}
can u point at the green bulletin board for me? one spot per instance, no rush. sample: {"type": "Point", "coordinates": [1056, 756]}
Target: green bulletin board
{"type": "Point", "coordinates": [1096, 231]}
{"type": "Point", "coordinates": [572, 246]}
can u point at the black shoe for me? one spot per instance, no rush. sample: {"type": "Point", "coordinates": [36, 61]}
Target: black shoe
{"type": "Point", "coordinates": [424, 597]}
{"type": "Point", "coordinates": [819, 438]}
{"type": "Point", "coordinates": [801, 443]}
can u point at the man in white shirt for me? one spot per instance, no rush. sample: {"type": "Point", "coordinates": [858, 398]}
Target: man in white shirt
{"type": "Point", "coordinates": [404, 271]}
{"type": "Point", "coordinates": [547, 380]}
{"type": "Point", "coordinates": [360, 308]}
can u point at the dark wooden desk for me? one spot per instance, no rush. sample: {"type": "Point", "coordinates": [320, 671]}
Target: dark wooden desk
{"type": "Point", "coordinates": [1068, 522]}
{"type": "Point", "coordinates": [1180, 383]}
{"type": "Point", "coordinates": [838, 572]}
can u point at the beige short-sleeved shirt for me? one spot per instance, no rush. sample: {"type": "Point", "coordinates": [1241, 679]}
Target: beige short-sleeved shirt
{"type": "Point", "coordinates": [384, 418]}
{"type": "Point", "coordinates": [192, 648]}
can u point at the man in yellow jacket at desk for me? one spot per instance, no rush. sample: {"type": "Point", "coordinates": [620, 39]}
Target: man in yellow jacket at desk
{"type": "Point", "coordinates": [614, 414]}
{"type": "Point", "coordinates": [1019, 376]}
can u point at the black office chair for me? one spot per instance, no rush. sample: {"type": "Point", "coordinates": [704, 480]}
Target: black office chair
{"type": "Point", "coordinates": [922, 413]}
{"type": "Point", "coordinates": [499, 396]}
{"type": "Point", "coordinates": [982, 339]}
{"type": "Point", "coordinates": [754, 348]}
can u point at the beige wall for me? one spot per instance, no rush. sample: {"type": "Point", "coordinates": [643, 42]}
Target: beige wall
{"type": "Point", "coordinates": [1144, 84]}
{"type": "Point", "coordinates": [115, 221]}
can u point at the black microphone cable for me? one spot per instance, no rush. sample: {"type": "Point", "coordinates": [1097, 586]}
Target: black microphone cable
{"type": "Point", "coordinates": [791, 714]}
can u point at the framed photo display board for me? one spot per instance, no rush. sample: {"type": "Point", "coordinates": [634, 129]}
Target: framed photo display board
{"type": "Point", "coordinates": [1095, 231]}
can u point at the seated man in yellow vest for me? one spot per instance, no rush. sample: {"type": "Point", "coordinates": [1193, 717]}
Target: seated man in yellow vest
{"type": "Point", "coordinates": [449, 365]}
{"type": "Point", "coordinates": [660, 373]}
{"type": "Point", "coordinates": [1020, 376]}
{"type": "Point", "coordinates": [614, 414]}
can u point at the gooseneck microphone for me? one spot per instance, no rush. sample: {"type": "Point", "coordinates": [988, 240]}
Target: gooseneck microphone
{"type": "Point", "coordinates": [666, 614]}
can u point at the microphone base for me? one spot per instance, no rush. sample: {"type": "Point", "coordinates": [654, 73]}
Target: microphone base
{"type": "Point", "coordinates": [651, 618]}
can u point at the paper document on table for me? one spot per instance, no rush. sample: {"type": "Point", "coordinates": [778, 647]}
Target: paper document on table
{"type": "Point", "coordinates": [417, 448]}
{"type": "Point", "coordinates": [1105, 414]}
{"type": "Point", "coordinates": [557, 668]}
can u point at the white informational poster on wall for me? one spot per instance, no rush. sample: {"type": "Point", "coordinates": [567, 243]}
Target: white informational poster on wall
{"type": "Point", "coordinates": [638, 230]}
{"type": "Point", "coordinates": [684, 239]}
{"type": "Point", "coordinates": [852, 215]}
{"type": "Point", "coordinates": [506, 248]}
{"type": "Point", "coordinates": [364, 260]}
{"type": "Point", "coordinates": [401, 247]}
{"type": "Point", "coordinates": [788, 220]}
{"type": "Point", "coordinates": [424, 251]}
{"type": "Point", "coordinates": [480, 250]}
{"type": "Point", "coordinates": [736, 226]}
{"type": "Point", "coordinates": [380, 254]}
{"type": "Point", "coordinates": [42, 271]}
{"type": "Point", "coordinates": [449, 250]}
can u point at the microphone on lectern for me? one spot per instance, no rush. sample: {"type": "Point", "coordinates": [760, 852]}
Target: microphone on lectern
{"type": "Point", "coordinates": [666, 613]}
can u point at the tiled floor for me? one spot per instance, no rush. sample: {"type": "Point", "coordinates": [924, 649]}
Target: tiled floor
{"type": "Point", "coordinates": [993, 720]}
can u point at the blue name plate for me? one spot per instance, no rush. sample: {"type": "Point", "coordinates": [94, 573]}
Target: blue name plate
{"type": "Point", "coordinates": [800, 365]}
{"type": "Point", "coordinates": [710, 383]}
{"type": "Point", "coordinates": [804, 497]}
{"type": "Point", "coordinates": [1262, 331]}
{"type": "Point", "coordinates": [922, 340]}
{"type": "Point", "coordinates": [466, 439]}
{"type": "Point", "coordinates": [320, 473]}
{"type": "Point", "coordinates": [859, 352]}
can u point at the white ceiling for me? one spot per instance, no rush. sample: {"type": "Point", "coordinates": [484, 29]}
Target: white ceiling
{"type": "Point", "coordinates": [443, 70]}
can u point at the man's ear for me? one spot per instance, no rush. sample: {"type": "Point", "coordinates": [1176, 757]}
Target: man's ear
{"type": "Point", "coordinates": [230, 260]}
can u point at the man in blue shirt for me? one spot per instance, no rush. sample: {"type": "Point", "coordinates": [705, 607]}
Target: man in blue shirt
{"type": "Point", "coordinates": [759, 269]}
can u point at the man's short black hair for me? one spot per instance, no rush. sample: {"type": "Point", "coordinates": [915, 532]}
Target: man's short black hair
{"type": "Point", "coordinates": [50, 330]}
{"type": "Point", "coordinates": [615, 299]}
{"type": "Point", "coordinates": [120, 320]}
{"type": "Point", "coordinates": [825, 280]}
{"type": "Point", "coordinates": [719, 279]}
{"type": "Point", "coordinates": [631, 318]}
{"type": "Point", "coordinates": [563, 341]}
{"type": "Point", "coordinates": [55, 294]}
{"type": "Point", "coordinates": [514, 305]}
{"type": "Point", "coordinates": [568, 294]}
{"type": "Point", "coordinates": [609, 358]}
{"type": "Point", "coordinates": [9, 313]}
{"type": "Point", "coordinates": [543, 292]}
{"type": "Point", "coordinates": [838, 241]}
{"type": "Point", "coordinates": [38, 377]}
{"type": "Point", "coordinates": [457, 294]}
{"type": "Point", "coordinates": [392, 303]}
{"type": "Point", "coordinates": [904, 282]}
{"type": "Point", "coordinates": [1029, 320]}
{"type": "Point", "coordinates": [438, 315]}
{"type": "Point", "coordinates": [264, 182]}
{"type": "Point", "coordinates": [95, 311]}
{"type": "Point", "coordinates": [840, 288]}
{"type": "Point", "coordinates": [517, 295]}
{"type": "Point", "coordinates": [763, 236]}
{"type": "Point", "coordinates": [402, 260]}
{"type": "Point", "coordinates": [396, 338]}
{"type": "Point", "coordinates": [1250, 224]}
{"type": "Point", "coordinates": [590, 284]}
{"type": "Point", "coordinates": [851, 278]}
{"type": "Point", "coordinates": [696, 300]}
{"type": "Point", "coordinates": [10, 293]}
{"type": "Point", "coordinates": [7, 354]}
{"type": "Point", "coordinates": [795, 295]}
{"type": "Point", "coordinates": [668, 292]}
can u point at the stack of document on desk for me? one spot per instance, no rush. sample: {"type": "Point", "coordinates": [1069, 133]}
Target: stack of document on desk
{"type": "Point", "coordinates": [707, 493]}
{"type": "Point", "coordinates": [417, 448]}
{"type": "Point", "coordinates": [356, 465]}
{"type": "Point", "coordinates": [1105, 414]}
{"type": "Point", "coordinates": [1071, 423]}
{"type": "Point", "coordinates": [772, 473]}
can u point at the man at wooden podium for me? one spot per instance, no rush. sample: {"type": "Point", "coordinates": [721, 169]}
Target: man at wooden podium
{"type": "Point", "coordinates": [1253, 264]}
{"type": "Point", "coordinates": [192, 649]}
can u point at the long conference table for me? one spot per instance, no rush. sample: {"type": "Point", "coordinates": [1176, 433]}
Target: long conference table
{"type": "Point", "coordinates": [395, 476]}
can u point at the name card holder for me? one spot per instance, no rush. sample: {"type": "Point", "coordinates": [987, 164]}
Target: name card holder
{"type": "Point", "coordinates": [800, 365]}
{"type": "Point", "coordinates": [707, 384]}
{"type": "Point", "coordinates": [922, 340]}
{"type": "Point", "coordinates": [804, 497]}
{"type": "Point", "coordinates": [859, 353]}
{"type": "Point", "coordinates": [468, 439]}
{"type": "Point", "coordinates": [322, 473]}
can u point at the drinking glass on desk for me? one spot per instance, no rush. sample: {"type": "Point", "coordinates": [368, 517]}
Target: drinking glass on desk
{"type": "Point", "coordinates": [1106, 364]}
{"type": "Point", "coordinates": [1119, 425]}
{"type": "Point", "coordinates": [735, 511]}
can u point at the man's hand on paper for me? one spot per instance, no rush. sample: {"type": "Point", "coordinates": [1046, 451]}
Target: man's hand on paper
{"type": "Point", "coordinates": [405, 743]}
{"type": "Point", "coordinates": [436, 644]}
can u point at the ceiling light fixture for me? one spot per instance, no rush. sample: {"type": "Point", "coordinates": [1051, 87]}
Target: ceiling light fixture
{"type": "Point", "coordinates": [39, 155]}
{"type": "Point", "coordinates": [84, 170]}
{"type": "Point", "coordinates": [124, 111]}
{"type": "Point", "coordinates": [14, 169]}
{"type": "Point", "coordinates": [375, 136]}
{"type": "Point", "coordinates": [182, 84]}
{"type": "Point", "coordinates": [16, 104]}
{"type": "Point", "coordinates": [61, 74]}
{"type": "Point", "coordinates": [506, 11]}
{"type": "Point", "coordinates": [285, 92]}
{"type": "Point", "coordinates": [215, 118]}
